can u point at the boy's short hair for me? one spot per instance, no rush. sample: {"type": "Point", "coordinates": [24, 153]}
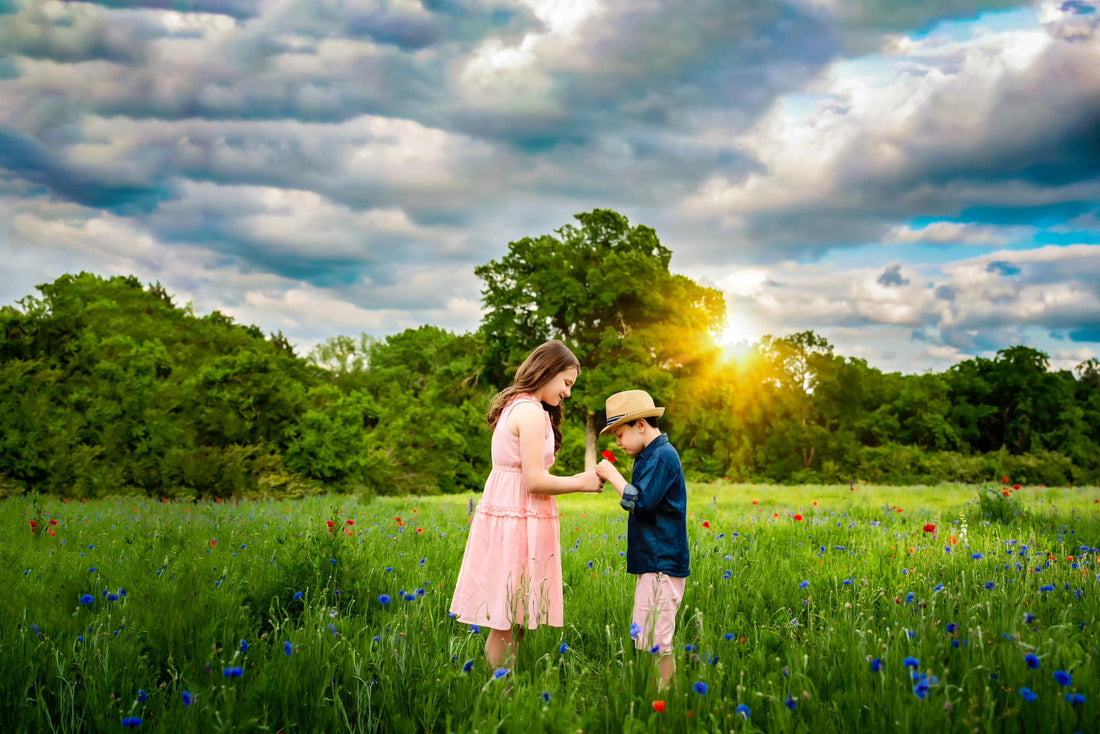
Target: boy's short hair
{"type": "Point", "coordinates": [651, 420]}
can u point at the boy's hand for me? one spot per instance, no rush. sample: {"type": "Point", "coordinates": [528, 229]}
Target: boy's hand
{"type": "Point", "coordinates": [606, 470]}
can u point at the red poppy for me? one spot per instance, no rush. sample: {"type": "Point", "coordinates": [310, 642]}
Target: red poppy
{"type": "Point", "coordinates": [608, 455]}
{"type": "Point", "coordinates": [706, 524]}
{"type": "Point", "coordinates": [1004, 479]}
{"type": "Point", "coordinates": [420, 530]}
{"type": "Point", "coordinates": [350, 522]}
{"type": "Point", "coordinates": [53, 522]}
{"type": "Point", "coordinates": [929, 528]}
{"type": "Point", "coordinates": [798, 518]}
{"type": "Point", "coordinates": [1015, 486]}
{"type": "Point", "coordinates": [34, 526]}
{"type": "Point", "coordinates": [1005, 493]}
{"type": "Point", "coordinates": [659, 706]}
{"type": "Point", "coordinates": [213, 542]}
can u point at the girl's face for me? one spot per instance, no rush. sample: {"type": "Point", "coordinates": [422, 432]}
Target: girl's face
{"type": "Point", "coordinates": [557, 389]}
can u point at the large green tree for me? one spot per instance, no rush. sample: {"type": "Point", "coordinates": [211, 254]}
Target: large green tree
{"type": "Point", "coordinates": [604, 288]}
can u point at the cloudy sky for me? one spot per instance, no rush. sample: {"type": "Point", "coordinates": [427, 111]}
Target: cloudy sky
{"type": "Point", "coordinates": [919, 182]}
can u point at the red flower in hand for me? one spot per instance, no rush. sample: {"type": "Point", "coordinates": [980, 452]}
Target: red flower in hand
{"type": "Point", "coordinates": [608, 455]}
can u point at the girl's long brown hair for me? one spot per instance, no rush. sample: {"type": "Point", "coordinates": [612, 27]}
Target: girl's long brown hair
{"type": "Point", "coordinates": [542, 365]}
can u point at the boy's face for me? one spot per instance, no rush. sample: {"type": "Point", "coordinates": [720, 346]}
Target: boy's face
{"type": "Point", "coordinates": [631, 439]}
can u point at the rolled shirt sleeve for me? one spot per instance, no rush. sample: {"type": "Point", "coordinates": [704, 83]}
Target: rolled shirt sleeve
{"type": "Point", "coordinates": [630, 498]}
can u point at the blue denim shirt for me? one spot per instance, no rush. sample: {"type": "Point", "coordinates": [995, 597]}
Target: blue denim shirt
{"type": "Point", "coordinates": [656, 498]}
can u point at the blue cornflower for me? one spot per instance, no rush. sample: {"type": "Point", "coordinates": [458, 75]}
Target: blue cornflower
{"type": "Point", "coordinates": [700, 687]}
{"type": "Point", "coordinates": [244, 646]}
{"type": "Point", "coordinates": [288, 648]}
{"type": "Point", "coordinates": [803, 584]}
{"type": "Point", "coordinates": [939, 587]}
{"type": "Point", "coordinates": [546, 696]}
{"type": "Point", "coordinates": [233, 672]}
{"type": "Point", "coordinates": [876, 665]}
{"type": "Point", "coordinates": [690, 648]}
{"type": "Point", "coordinates": [743, 710]}
{"type": "Point", "coordinates": [976, 556]}
{"type": "Point", "coordinates": [297, 595]}
{"type": "Point", "coordinates": [87, 599]}
{"type": "Point", "coordinates": [727, 574]}
{"type": "Point", "coordinates": [1075, 699]}
{"type": "Point", "coordinates": [911, 663]}
{"type": "Point", "coordinates": [467, 666]}
{"type": "Point", "coordinates": [846, 582]}
{"type": "Point", "coordinates": [951, 627]}
{"type": "Point", "coordinates": [791, 703]}
{"type": "Point", "coordinates": [909, 597]}
{"type": "Point", "coordinates": [1031, 660]}
{"type": "Point", "coordinates": [332, 560]}
{"type": "Point", "coordinates": [142, 695]}
{"type": "Point", "coordinates": [923, 684]}
{"type": "Point", "coordinates": [131, 722]}
{"type": "Point", "coordinates": [410, 597]}
{"type": "Point", "coordinates": [112, 597]}
{"type": "Point", "coordinates": [564, 647]}
{"type": "Point", "coordinates": [729, 635]}
{"type": "Point", "coordinates": [500, 672]}
{"type": "Point", "coordinates": [1046, 588]}
{"type": "Point", "coordinates": [1029, 618]}
{"type": "Point", "coordinates": [655, 649]}
{"type": "Point", "coordinates": [1028, 694]}
{"type": "Point", "coordinates": [187, 698]}
{"type": "Point", "coordinates": [475, 630]}
{"type": "Point", "coordinates": [1063, 677]}
{"type": "Point", "coordinates": [384, 599]}
{"type": "Point", "coordinates": [990, 585]}
{"type": "Point", "coordinates": [635, 630]}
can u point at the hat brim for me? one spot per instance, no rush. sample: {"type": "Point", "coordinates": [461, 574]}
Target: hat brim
{"type": "Point", "coordinates": [647, 413]}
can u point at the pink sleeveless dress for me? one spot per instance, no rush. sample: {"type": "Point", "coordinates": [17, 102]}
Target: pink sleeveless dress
{"type": "Point", "coordinates": [511, 570]}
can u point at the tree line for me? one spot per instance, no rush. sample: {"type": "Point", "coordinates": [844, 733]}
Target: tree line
{"type": "Point", "coordinates": [108, 387]}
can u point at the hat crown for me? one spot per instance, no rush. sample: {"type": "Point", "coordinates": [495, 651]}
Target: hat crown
{"type": "Point", "coordinates": [629, 401]}
{"type": "Point", "coordinates": [624, 407]}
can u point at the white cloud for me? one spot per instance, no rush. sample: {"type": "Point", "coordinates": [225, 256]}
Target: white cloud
{"type": "Point", "coordinates": [950, 233]}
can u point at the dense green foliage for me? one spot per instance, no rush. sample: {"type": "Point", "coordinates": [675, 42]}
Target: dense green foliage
{"type": "Point", "coordinates": [605, 289]}
{"type": "Point", "coordinates": [260, 616]}
{"type": "Point", "coordinates": [107, 387]}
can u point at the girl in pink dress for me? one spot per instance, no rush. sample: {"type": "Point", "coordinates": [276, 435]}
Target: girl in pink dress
{"type": "Point", "coordinates": [510, 579]}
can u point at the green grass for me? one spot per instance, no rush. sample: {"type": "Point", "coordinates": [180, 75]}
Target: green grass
{"type": "Point", "coordinates": [767, 614]}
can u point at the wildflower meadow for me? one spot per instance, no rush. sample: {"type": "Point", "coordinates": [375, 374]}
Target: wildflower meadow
{"type": "Point", "coordinates": [809, 609]}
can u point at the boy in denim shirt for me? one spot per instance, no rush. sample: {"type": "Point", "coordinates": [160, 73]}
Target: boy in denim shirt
{"type": "Point", "coordinates": [656, 537]}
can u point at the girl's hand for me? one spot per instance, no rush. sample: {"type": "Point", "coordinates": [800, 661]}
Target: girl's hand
{"type": "Point", "coordinates": [590, 482]}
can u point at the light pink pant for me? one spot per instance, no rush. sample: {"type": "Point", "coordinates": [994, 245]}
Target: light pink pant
{"type": "Point", "coordinates": [657, 598]}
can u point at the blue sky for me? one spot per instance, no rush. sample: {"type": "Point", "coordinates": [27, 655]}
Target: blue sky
{"type": "Point", "coordinates": [917, 182]}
